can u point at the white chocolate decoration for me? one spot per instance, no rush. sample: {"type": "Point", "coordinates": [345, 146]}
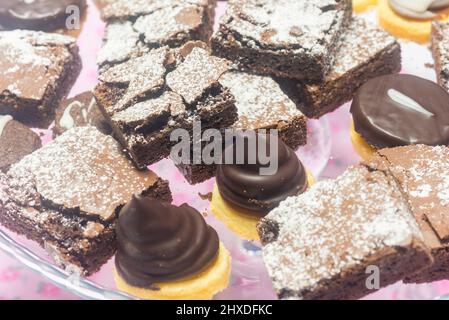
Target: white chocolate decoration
{"type": "Point", "coordinates": [3, 121]}
{"type": "Point", "coordinates": [67, 122]}
{"type": "Point", "coordinates": [418, 9]}
{"type": "Point", "coordinates": [407, 102]}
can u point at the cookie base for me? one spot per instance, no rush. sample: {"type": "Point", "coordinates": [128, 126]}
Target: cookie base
{"type": "Point", "coordinates": [364, 150]}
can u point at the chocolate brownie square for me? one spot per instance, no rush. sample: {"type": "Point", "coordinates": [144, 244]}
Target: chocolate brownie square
{"type": "Point", "coordinates": [284, 38]}
{"type": "Point", "coordinates": [326, 243]}
{"type": "Point", "coordinates": [67, 194]}
{"type": "Point", "coordinates": [16, 141]}
{"type": "Point", "coordinates": [79, 111]}
{"type": "Point", "coordinates": [366, 52]}
{"type": "Point", "coordinates": [421, 171]}
{"type": "Point", "coordinates": [38, 70]}
{"type": "Point", "coordinates": [148, 97]}
{"type": "Point", "coordinates": [261, 104]}
{"type": "Point", "coordinates": [164, 22]}
{"type": "Point", "coordinates": [440, 50]}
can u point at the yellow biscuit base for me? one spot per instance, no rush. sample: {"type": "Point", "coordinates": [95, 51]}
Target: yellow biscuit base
{"type": "Point", "coordinates": [406, 28]}
{"type": "Point", "coordinates": [241, 223]}
{"type": "Point", "coordinates": [203, 286]}
{"type": "Point", "coordinates": [362, 5]}
{"type": "Point", "coordinates": [362, 147]}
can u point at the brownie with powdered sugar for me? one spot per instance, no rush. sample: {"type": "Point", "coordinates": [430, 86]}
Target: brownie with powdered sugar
{"type": "Point", "coordinates": [440, 50]}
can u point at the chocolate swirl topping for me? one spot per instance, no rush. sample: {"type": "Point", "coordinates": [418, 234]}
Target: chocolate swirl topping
{"type": "Point", "coordinates": [401, 110]}
{"type": "Point", "coordinates": [159, 242]}
{"type": "Point", "coordinates": [242, 185]}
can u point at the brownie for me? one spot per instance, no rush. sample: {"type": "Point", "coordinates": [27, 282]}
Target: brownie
{"type": "Point", "coordinates": [67, 194]}
{"type": "Point", "coordinates": [284, 38]}
{"type": "Point", "coordinates": [146, 98]}
{"type": "Point", "coordinates": [422, 173]}
{"type": "Point", "coordinates": [320, 245]}
{"type": "Point", "coordinates": [38, 70]}
{"type": "Point", "coordinates": [440, 50]}
{"type": "Point", "coordinates": [16, 141]}
{"type": "Point", "coordinates": [366, 52]}
{"type": "Point", "coordinates": [261, 104]}
{"type": "Point", "coordinates": [79, 111]}
{"type": "Point", "coordinates": [162, 22]}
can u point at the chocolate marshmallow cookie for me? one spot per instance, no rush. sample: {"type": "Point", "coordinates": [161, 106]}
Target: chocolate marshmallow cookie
{"type": "Point", "coordinates": [41, 15]}
{"type": "Point", "coordinates": [397, 110]}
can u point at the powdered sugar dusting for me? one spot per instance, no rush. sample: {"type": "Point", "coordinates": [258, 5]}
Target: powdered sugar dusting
{"type": "Point", "coordinates": [82, 169]}
{"type": "Point", "coordinates": [195, 74]}
{"type": "Point", "coordinates": [260, 101]}
{"type": "Point", "coordinates": [441, 52]}
{"type": "Point", "coordinates": [334, 227]}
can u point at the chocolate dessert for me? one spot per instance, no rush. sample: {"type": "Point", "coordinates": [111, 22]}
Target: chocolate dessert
{"type": "Point", "coordinates": [67, 194]}
{"type": "Point", "coordinates": [323, 243]}
{"type": "Point", "coordinates": [366, 52]}
{"type": "Point", "coordinates": [38, 70]}
{"type": "Point", "coordinates": [79, 111]}
{"type": "Point", "coordinates": [284, 38]}
{"type": "Point", "coordinates": [146, 98]}
{"type": "Point", "coordinates": [440, 50]}
{"type": "Point", "coordinates": [246, 187]}
{"type": "Point", "coordinates": [160, 242]}
{"type": "Point", "coordinates": [398, 110]}
{"type": "Point", "coordinates": [40, 15]}
{"type": "Point", "coordinates": [16, 141]}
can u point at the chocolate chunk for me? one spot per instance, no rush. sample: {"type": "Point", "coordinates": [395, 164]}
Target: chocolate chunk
{"type": "Point", "coordinates": [287, 38]}
{"type": "Point", "coordinates": [66, 196]}
{"type": "Point", "coordinates": [159, 242]}
{"type": "Point", "coordinates": [16, 141]}
{"type": "Point", "coordinates": [247, 188]}
{"type": "Point", "coordinates": [79, 111]}
{"type": "Point", "coordinates": [440, 49]}
{"type": "Point", "coordinates": [41, 15]}
{"type": "Point", "coordinates": [397, 110]}
{"type": "Point", "coordinates": [320, 245]}
{"type": "Point", "coordinates": [38, 70]}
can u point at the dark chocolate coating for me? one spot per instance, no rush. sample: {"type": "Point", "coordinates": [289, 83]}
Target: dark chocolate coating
{"type": "Point", "coordinates": [242, 185]}
{"type": "Point", "coordinates": [45, 15]}
{"type": "Point", "coordinates": [383, 122]}
{"type": "Point", "coordinates": [158, 242]}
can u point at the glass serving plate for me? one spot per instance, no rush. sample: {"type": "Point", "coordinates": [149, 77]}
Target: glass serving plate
{"type": "Point", "coordinates": [327, 154]}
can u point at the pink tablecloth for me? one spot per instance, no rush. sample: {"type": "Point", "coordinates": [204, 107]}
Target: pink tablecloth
{"type": "Point", "coordinates": [17, 282]}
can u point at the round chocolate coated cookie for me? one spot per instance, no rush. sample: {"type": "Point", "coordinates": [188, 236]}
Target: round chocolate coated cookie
{"type": "Point", "coordinates": [158, 242]}
{"type": "Point", "coordinates": [400, 110]}
{"type": "Point", "coordinates": [45, 15]}
{"type": "Point", "coordinates": [244, 187]}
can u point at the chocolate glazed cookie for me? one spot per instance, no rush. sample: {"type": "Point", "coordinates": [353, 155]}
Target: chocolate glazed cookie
{"type": "Point", "coordinates": [242, 185]}
{"type": "Point", "coordinates": [41, 15]}
{"type": "Point", "coordinates": [400, 110]}
{"type": "Point", "coordinates": [159, 242]}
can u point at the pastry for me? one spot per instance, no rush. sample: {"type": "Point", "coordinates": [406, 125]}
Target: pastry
{"type": "Point", "coordinates": [67, 194]}
{"type": "Point", "coordinates": [79, 111]}
{"type": "Point", "coordinates": [334, 240]}
{"type": "Point", "coordinates": [412, 20]}
{"type": "Point", "coordinates": [146, 98]}
{"type": "Point", "coordinates": [421, 171]}
{"type": "Point", "coordinates": [362, 5]}
{"type": "Point", "coordinates": [38, 70]}
{"type": "Point", "coordinates": [168, 253]}
{"type": "Point", "coordinates": [243, 194]}
{"type": "Point", "coordinates": [399, 110]}
{"type": "Point", "coordinates": [261, 104]}
{"type": "Point", "coordinates": [16, 141]}
{"type": "Point", "coordinates": [283, 38]}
